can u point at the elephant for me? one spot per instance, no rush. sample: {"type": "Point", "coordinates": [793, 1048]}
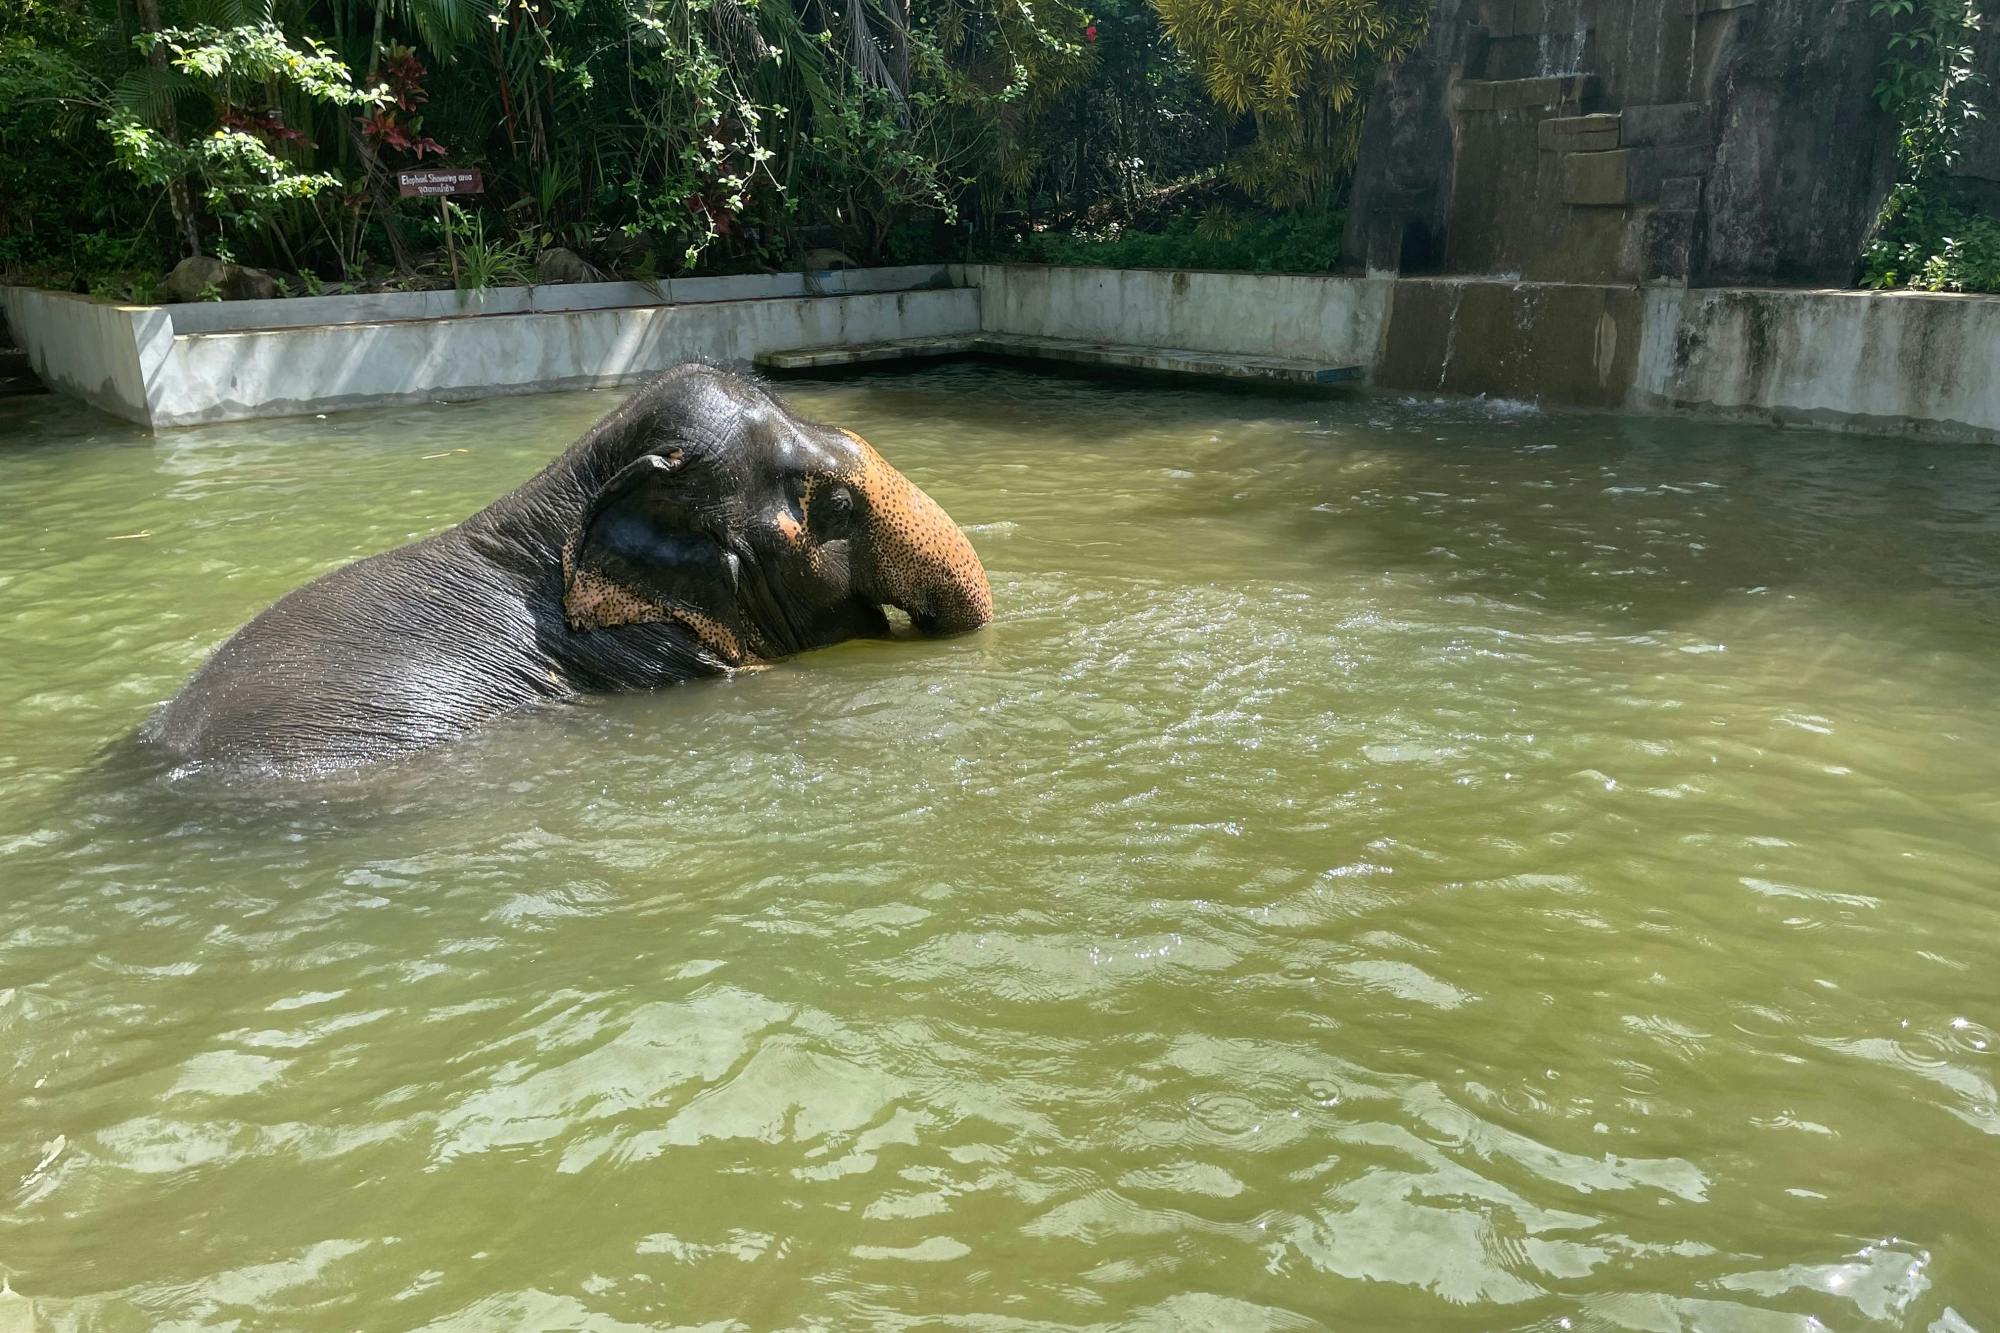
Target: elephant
{"type": "Point", "coordinates": [698, 528]}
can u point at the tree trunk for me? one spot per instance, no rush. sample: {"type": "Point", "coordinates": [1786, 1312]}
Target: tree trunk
{"type": "Point", "coordinates": [378, 188]}
{"type": "Point", "coordinates": [178, 196]}
{"type": "Point", "coordinates": [377, 174]}
{"type": "Point", "coordinates": [899, 42]}
{"type": "Point", "coordinates": [375, 43]}
{"type": "Point", "coordinates": [506, 92]}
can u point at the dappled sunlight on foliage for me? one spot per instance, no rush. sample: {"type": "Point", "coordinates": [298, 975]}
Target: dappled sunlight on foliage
{"type": "Point", "coordinates": [1302, 69]}
{"type": "Point", "coordinates": [1929, 235]}
{"type": "Point", "coordinates": [648, 137]}
{"type": "Point", "coordinates": [1217, 238]}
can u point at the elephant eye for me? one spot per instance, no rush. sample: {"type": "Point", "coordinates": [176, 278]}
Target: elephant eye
{"type": "Point", "coordinates": [833, 511]}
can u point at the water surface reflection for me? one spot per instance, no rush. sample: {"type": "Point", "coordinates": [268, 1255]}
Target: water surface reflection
{"type": "Point", "coordinates": [1392, 864]}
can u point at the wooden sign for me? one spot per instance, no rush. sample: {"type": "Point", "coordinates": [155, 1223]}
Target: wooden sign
{"type": "Point", "coordinates": [437, 182]}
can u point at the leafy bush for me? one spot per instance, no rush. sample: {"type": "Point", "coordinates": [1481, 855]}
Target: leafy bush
{"type": "Point", "coordinates": [1219, 238]}
{"type": "Point", "coordinates": [1925, 236]}
{"type": "Point", "coordinates": [241, 164]}
{"type": "Point", "coordinates": [485, 261]}
{"type": "Point", "coordinates": [652, 137]}
{"type": "Point", "coordinates": [1932, 246]}
{"type": "Point", "coordinates": [64, 220]}
{"type": "Point", "coordinates": [1136, 122]}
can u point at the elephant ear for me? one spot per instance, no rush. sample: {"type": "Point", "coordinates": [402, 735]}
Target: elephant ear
{"type": "Point", "coordinates": [630, 563]}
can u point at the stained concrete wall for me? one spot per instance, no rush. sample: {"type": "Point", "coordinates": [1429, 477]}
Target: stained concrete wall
{"type": "Point", "coordinates": [1891, 363]}
{"type": "Point", "coordinates": [279, 372]}
{"type": "Point", "coordinates": [1896, 362]}
{"type": "Point", "coordinates": [380, 307]}
{"type": "Point", "coordinates": [1337, 321]}
{"type": "Point", "coordinates": [1572, 344]}
{"type": "Point", "coordinates": [102, 353]}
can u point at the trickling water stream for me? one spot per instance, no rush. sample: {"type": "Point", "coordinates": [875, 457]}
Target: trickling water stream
{"type": "Point", "coordinates": [1561, 40]}
{"type": "Point", "coordinates": [1391, 864]}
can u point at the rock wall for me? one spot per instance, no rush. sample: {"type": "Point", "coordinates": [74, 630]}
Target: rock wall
{"type": "Point", "coordinates": [1978, 165]}
{"type": "Point", "coordinates": [1659, 141]}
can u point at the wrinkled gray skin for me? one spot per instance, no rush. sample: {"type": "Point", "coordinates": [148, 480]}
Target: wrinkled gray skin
{"type": "Point", "coordinates": [697, 528]}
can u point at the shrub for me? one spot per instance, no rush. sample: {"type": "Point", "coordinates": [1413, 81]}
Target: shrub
{"type": "Point", "coordinates": [1219, 238]}
{"type": "Point", "coordinates": [1932, 245]}
{"type": "Point", "coordinates": [1927, 236]}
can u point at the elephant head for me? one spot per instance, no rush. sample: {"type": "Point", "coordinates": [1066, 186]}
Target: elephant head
{"type": "Point", "coordinates": [762, 533]}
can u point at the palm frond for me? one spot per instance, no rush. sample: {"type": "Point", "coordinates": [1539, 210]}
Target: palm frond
{"type": "Point", "coordinates": [864, 56]}
{"type": "Point", "coordinates": [785, 30]}
{"type": "Point", "coordinates": [736, 32]}
{"type": "Point", "coordinates": [146, 94]}
{"type": "Point", "coordinates": [222, 13]}
{"type": "Point", "coordinates": [443, 24]}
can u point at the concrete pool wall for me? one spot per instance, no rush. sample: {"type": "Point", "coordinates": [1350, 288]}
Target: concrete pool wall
{"type": "Point", "coordinates": [179, 365]}
{"type": "Point", "coordinates": [1889, 363]}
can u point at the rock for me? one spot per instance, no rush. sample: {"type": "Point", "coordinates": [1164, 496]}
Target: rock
{"type": "Point", "coordinates": [236, 282]}
{"type": "Point", "coordinates": [825, 258]}
{"type": "Point", "coordinates": [560, 265]}
{"type": "Point", "coordinates": [1751, 125]}
{"type": "Point", "coordinates": [1977, 169]}
{"type": "Point", "coordinates": [1805, 151]}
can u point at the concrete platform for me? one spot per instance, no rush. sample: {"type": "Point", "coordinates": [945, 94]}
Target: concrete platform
{"type": "Point", "coordinates": [895, 349]}
{"type": "Point", "coordinates": [1127, 356]}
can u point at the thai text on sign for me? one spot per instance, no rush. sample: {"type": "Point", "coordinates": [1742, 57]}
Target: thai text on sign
{"type": "Point", "coordinates": [436, 182]}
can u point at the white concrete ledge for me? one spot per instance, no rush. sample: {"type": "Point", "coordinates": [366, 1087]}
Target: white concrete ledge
{"type": "Point", "coordinates": [102, 353]}
{"type": "Point", "coordinates": [384, 307]}
{"type": "Point", "coordinates": [1915, 363]}
{"type": "Point", "coordinates": [180, 365]}
{"type": "Point", "coordinates": [1887, 363]}
{"type": "Point", "coordinates": [1333, 320]}
{"type": "Point", "coordinates": [283, 372]}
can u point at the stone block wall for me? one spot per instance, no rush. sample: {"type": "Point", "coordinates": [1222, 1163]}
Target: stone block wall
{"type": "Point", "coordinates": [1670, 142]}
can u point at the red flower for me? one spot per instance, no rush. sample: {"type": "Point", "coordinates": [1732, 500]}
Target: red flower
{"type": "Point", "coordinates": [1090, 33]}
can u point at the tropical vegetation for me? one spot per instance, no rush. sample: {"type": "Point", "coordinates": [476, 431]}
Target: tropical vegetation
{"type": "Point", "coordinates": [657, 137]}
{"type": "Point", "coordinates": [1931, 234]}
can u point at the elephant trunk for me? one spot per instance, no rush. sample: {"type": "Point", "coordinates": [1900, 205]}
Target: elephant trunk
{"type": "Point", "coordinates": [923, 564]}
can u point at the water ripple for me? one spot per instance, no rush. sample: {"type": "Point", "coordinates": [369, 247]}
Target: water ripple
{"type": "Point", "coordinates": [1391, 865]}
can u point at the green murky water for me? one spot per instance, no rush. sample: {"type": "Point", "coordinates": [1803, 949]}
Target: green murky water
{"type": "Point", "coordinates": [1390, 864]}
